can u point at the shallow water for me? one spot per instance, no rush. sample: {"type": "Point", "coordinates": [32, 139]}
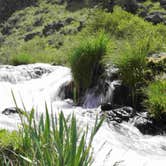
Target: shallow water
{"type": "Point", "coordinates": [123, 143]}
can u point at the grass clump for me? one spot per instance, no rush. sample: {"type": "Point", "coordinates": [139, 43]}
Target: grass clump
{"type": "Point", "coordinates": [85, 61]}
{"type": "Point", "coordinates": [21, 59]}
{"type": "Point", "coordinates": [50, 141]}
{"type": "Point", "coordinates": [156, 102]}
{"type": "Point", "coordinates": [131, 61]}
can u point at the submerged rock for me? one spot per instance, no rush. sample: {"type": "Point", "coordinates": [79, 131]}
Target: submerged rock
{"type": "Point", "coordinates": [11, 110]}
{"type": "Point", "coordinates": [15, 74]}
{"type": "Point", "coordinates": [119, 114]}
{"type": "Point", "coordinates": [149, 125]}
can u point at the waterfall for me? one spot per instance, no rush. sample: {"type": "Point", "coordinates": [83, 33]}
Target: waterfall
{"type": "Point", "coordinates": [39, 83]}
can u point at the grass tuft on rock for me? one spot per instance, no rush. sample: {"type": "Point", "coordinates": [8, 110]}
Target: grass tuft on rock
{"type": "Point", "coordinates": [131, 62]}
{"type": "Point", "coordinates": [86, 59]}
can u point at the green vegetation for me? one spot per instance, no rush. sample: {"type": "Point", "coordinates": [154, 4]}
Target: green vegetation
{"type": "Point", "coordinates": [55, 34]}
{"type": "Point", "coordinates": [131, 61]}
{"type": "Point", "coordinates": [86, 61]}
{"type": "Point", "coordinates": [42, 32]}
{"type": "Point", "coordinates": [33, 51]}
{"type": "Point", "coordinates": [133, 40]}
{"type": "Point", "coordinates": [156, 102]}
{"type": "Point", "coordinates": [122, 25]}
{"type": "Point", "coordinates": [50, 142]}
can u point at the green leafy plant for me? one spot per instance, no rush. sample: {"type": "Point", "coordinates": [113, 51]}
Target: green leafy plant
{"type": "Point", "coordinates": [85, 61]}
{"type": "Point", "coordinates": [156, 102]}
{"type": "Point", "coordinates": [50, 141]}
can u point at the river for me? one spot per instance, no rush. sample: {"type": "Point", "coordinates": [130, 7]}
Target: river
{"type": "Point", "coordinates": [37, 84]}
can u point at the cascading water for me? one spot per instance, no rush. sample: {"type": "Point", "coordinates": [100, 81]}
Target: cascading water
{"type": "Point", "coordinates": [40, 83]}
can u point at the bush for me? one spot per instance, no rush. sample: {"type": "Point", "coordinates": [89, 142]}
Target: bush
{"type": "Point", "coordinates": [156, 102]}
{"type": "Point", "coordinates": [50, 142]}
{"type": "Point", "coordinates": [21, 59]}
{"type": "Point", "coordinates": [85, 61]}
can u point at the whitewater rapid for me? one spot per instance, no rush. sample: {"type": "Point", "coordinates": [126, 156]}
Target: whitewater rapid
{"type": "Point", "coordinates": [38, 84]}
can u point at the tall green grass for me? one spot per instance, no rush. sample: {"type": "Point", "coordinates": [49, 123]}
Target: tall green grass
{"type": "Point", "coordinates": [131, 61]}
{"type": "Point", "coordinates": [85, 61]}
{"type": "Point", "coordinates": [156, 101]}
{"type": "Point", "coordinates": [49, 142]}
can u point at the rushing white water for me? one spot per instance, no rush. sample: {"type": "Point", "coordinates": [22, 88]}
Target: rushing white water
{"type": "Point", "coordinates": [40, 83]}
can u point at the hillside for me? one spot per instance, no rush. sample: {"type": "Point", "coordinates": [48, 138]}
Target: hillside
{"type": "Point", "coordinates": [49, 28]}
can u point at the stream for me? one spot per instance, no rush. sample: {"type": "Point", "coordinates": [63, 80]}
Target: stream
{"type": "Point", "coordinates": [37, 84]}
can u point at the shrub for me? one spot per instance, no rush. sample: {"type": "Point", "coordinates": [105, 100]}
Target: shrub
{"type": "Point", "coordinates": [156, 102]}
{"type": "Point", "coordinates": [50, 142]}
{"type": "Point", "coordinates": [21, 59]}
{"type": "Point", "coordinates": [85, 61]}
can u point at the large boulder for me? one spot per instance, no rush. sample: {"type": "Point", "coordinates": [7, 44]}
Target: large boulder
{"type": "Point", "coordinates": [149, 125]}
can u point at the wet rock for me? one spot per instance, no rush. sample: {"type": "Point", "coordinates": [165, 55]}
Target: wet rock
{"type": "Point", "coordinates": [121, 95]}
{"type": "Point", "coordinates": [11, 110]}
{"type": "Point", "coordinates": [14, 74]}
{"type": "Point", "coordinates": [106, 106]}
{"type": "Point", "coordinates": [67, 91]}
{"type": "Point", "coordinates": [119, 114]}
{"type": "Point", "coordinates": [149, 125]}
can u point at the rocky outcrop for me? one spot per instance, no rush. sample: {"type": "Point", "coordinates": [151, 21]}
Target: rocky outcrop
{"type": "Point", "coordinates": [56, 26]}
{"type": "Point", "coordinates": [155, 17]}
{"type": "Point", "coordinates": [7, 7]}
{"type": "Point", "coordinates": [163, 3]}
